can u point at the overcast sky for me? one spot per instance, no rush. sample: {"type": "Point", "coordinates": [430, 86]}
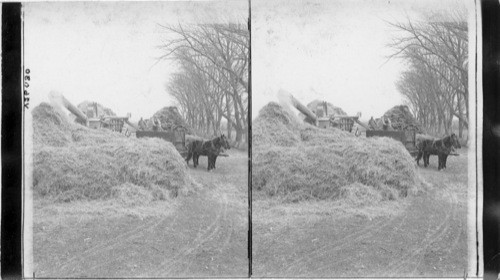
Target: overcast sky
{"type": "Point", "coordinates": [332, 50]}
{"type": "Point", "coordinates": [106, 52]}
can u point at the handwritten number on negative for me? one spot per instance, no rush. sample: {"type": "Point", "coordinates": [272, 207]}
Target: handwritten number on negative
{"type": "Point", "coordinates": [27, 79]}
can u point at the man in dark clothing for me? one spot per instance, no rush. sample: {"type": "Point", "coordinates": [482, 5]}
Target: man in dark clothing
{"type": "Point", "coordinates": [156, 124]}
{"type": "Point", "coordinates": [142, 124]}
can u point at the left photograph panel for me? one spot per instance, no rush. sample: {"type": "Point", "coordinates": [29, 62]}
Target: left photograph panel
{"type": "Point", "coordinates": [135, 139]}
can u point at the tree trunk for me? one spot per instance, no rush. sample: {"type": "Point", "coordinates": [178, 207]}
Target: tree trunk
{"type": "Point", "coordinates": [228, 110]}
{"type": "Point", "coordinates": [229, 134]}
{"type": "Point", "coordinates": [239, 136]}
{"type": "Point", "coordinates": [460, 128]}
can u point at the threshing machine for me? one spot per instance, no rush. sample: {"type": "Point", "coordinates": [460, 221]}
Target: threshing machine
{"type": "Point", "coordinates": [322, 119]}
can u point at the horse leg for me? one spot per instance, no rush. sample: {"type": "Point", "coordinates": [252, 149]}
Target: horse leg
{"type": "Point", "coordinates": [426, 159]}
{"type": "Point", "coordinates": [215, 159]}
{"type": "Point", "coordinates": [440, 161]}
{"type": "Point", "coordinates": [189, 157]}
{"type": "Point", "coordinates": [195, 160]}
{"type": "Point", "coordinates": [419, 156]}
{"type": "Point", "coordinates": [210, 160]}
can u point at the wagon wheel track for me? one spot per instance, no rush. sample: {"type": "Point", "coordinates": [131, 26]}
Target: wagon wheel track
{"type": "Point", "coordinates": [372, 232]}
{"type": "Point", "coordinates": [408, 259]}
{"type": "Point", "coordinates": [104, 246]}
{"type": "Point", "coordinates": [120, 241]}
{"type": "Point", "coordinates": [398, 266]}
{"type": "Point", "coordinates": [338, 244]}
{"type": "Point", "coordinates": [124, 242]}
{"type": "Point", "coordinates": [197, 244]}
{"type": "Point", "coordinates": [165, 266]}
{"type": "Point", "coordinates": [444, 226]}
{"type": "Point", "coordinates": [217, 232]}
{"type": "Point", "coordinates": [293, 265]}
{"type": "Point", "coordinates": [451, 218]}
{"type": "Point", "coordinates": [168, 266]}
{"type": "Point", "coordinates": [453, 245]}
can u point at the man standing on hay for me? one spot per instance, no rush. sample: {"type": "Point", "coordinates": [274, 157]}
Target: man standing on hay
{"type": "Point", "coordinates": [142, 124]}
{"type": "Point", "coordinates": [156, 124]}
{"type": "Point", "coordinates": [386, 124]}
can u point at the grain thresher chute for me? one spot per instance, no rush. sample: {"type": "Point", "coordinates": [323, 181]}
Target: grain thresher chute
{"type": "Point", "coordinates": [382, 127]}
{"type": "Point", "coordinates": [94, 118]}
{"type": "Point", "coordinates": [324, 119]}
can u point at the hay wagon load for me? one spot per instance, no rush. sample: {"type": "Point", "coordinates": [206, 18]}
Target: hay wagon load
{"type": "Point", "coordinates": [397, 123]}
{"type": "Point", "coordinates": [166, 124]}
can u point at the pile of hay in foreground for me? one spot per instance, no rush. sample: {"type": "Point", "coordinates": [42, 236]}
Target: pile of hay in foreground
{"type": "Point", "coordinates": [72, 162]}
{"type": "Point", "coordinates": [297, 161]}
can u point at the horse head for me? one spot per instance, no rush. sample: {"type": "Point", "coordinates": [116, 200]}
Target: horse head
{"type": "Point", "coordinates": [225, 142]}
{"type": "Point", "coordinates": [454, 141]}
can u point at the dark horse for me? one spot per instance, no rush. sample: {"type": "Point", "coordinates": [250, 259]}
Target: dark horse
{"type": "Point", "coordinates": [440, 147]}
{"type": "Point", "coordinates": [211, 149]}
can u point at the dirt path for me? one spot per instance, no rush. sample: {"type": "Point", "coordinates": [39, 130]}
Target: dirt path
{"type": "Point", "coordinates": [426, 239]}
{"type": "Point", "coordinates": [206, 235]}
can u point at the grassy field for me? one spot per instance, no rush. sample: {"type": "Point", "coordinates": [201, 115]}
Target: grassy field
{"type": "Point", "coordinates": [203, 234]}
{"type": "Point", "coordinates": [419, 236]}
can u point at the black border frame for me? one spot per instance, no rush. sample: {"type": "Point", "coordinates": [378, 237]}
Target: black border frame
{"type": "Point", "coordinates": [12, 104]}
{"type": "Point", "coordinates": [490, 10]}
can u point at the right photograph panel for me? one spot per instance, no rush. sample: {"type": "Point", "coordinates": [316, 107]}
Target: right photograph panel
{"type": "Point", "coordinates": [362, 138]}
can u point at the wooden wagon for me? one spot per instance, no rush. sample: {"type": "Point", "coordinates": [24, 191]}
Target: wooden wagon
{"type": "Point", "coordinates": [176, 136]}
{"type": "Point", "coordinates": [407, 136]}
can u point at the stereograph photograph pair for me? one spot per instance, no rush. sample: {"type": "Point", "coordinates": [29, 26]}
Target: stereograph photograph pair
{"type": "Point", "coordinates": [268, 139]}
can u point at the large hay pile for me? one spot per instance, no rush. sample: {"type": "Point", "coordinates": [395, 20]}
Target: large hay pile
{"type": "Point", "coordinates": [297, 161]}
{"type": "Point", "coordinates": [171, 118]}
{"type": "Point", "coordinates": [401, 118]}
{"type": "Point", "coordinates": [72, 162]}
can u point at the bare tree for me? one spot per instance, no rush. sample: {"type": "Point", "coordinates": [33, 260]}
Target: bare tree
{"type": "Point", "coordinates": [436, 83]}
{"type": "Point", "coordinates": [215, 58]}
